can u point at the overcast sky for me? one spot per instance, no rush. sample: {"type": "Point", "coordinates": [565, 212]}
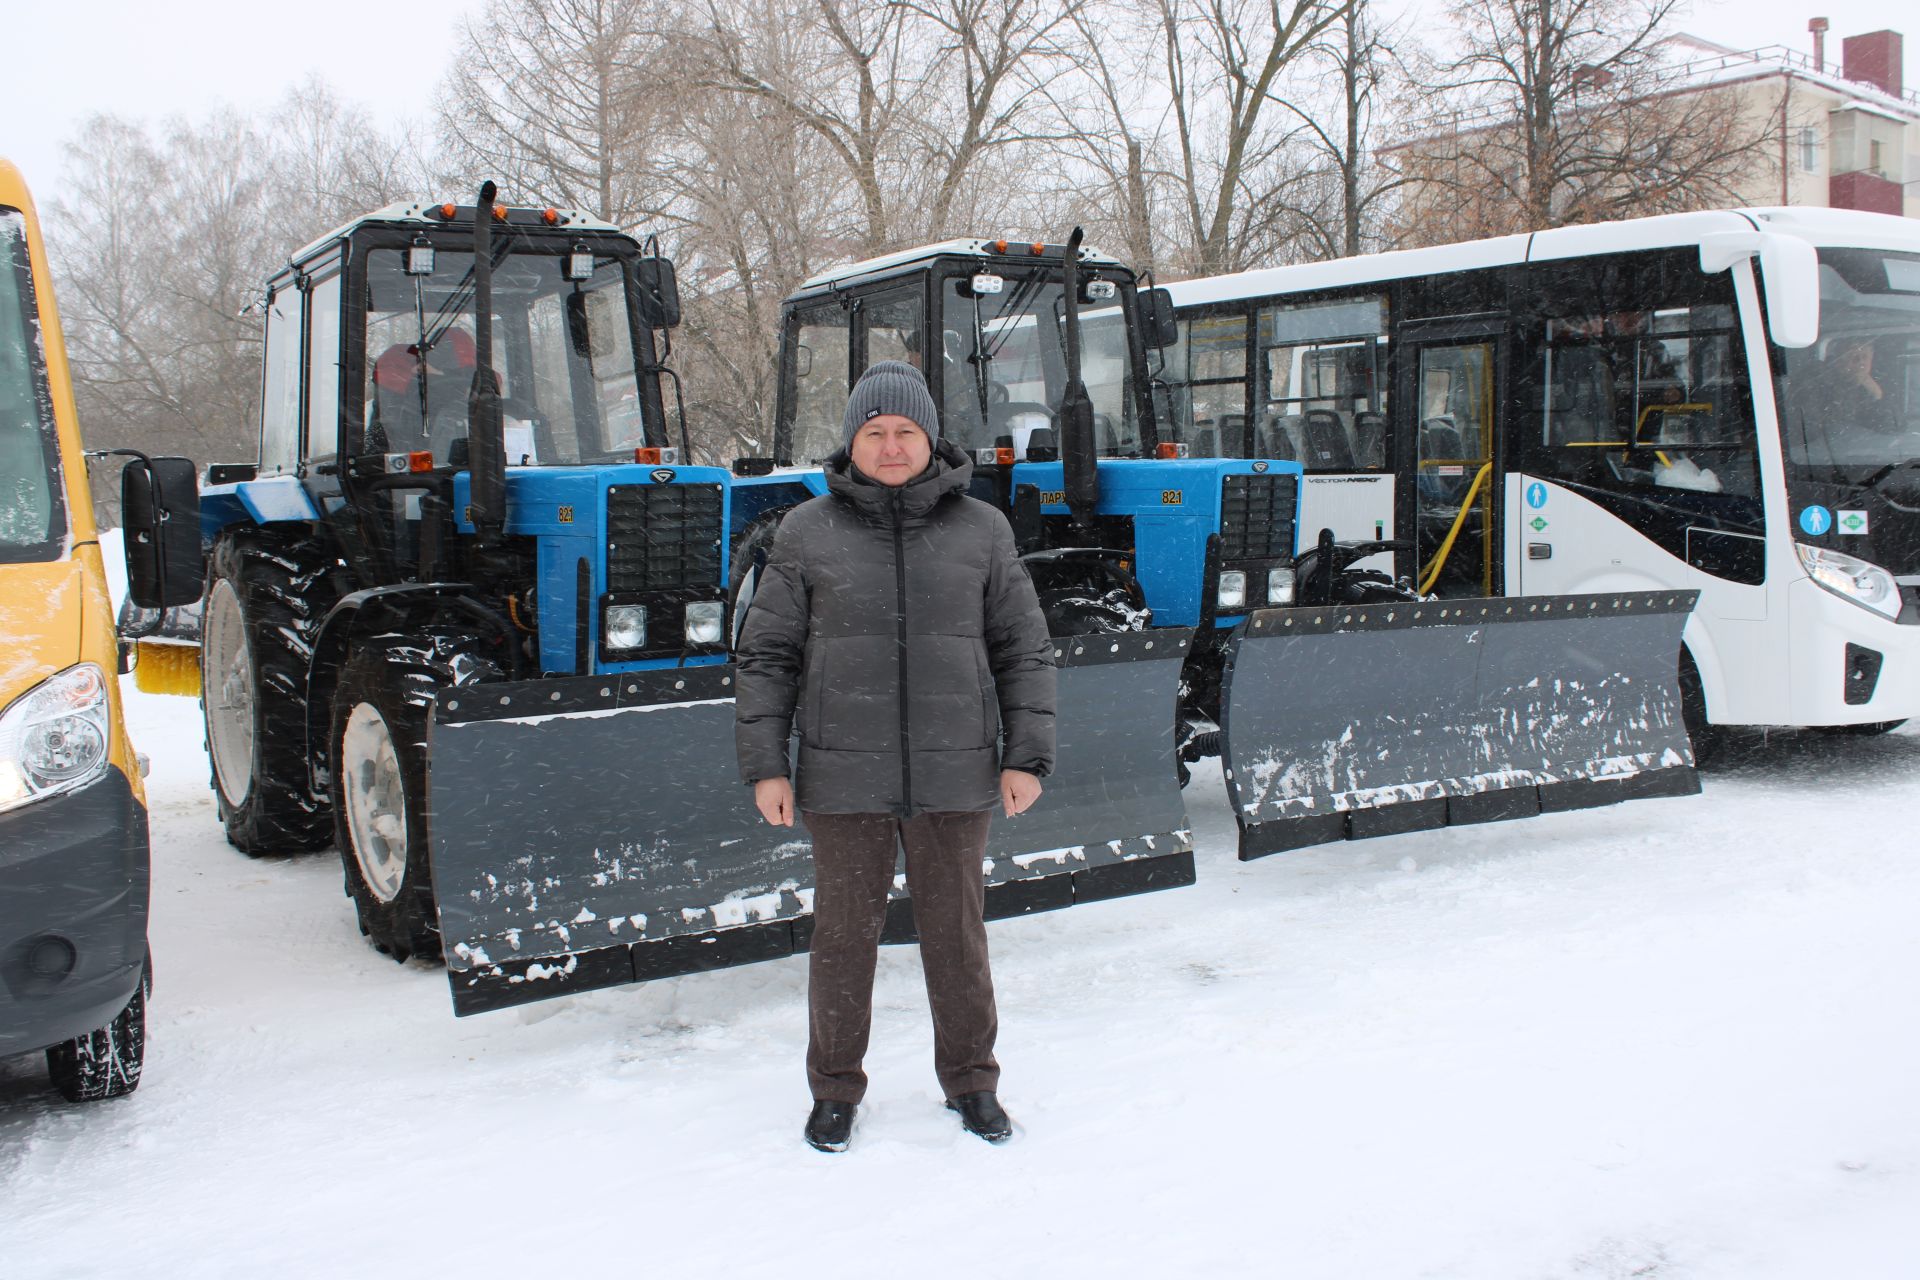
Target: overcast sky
{"type": "Point", "coordinates": [146, 60]}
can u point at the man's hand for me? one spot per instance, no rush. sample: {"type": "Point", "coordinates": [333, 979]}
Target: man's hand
{"type": "Point", "coordinates": [774, 798]}
{"type": "Point", "coordinates": [1018, 790]}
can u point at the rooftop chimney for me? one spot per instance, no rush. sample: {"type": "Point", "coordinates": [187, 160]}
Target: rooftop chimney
{"type": "Point", "coordinates": [1819, 28]}
{"type": "Point", "coordinates": [1873, 59]}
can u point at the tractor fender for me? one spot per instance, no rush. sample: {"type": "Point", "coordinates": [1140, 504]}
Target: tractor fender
{"type": "Point", "coordinates": [361, 613]}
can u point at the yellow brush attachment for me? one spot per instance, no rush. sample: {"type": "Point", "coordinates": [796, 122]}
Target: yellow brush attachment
{"type": "Point", "coordinates": [160, 667]}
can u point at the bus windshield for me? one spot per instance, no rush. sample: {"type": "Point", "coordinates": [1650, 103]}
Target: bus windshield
{"type": "Point", "coordinates": [1005, 366]}
{"type": "Point", "coordinates": [562, 348]}
{"type": "Point", "coordinates": [32, 518]}
{"type": "Point", "coordinates": [1850, 404]}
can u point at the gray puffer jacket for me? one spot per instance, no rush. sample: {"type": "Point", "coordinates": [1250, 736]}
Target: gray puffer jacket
{"type": "Point", "coordinates": [890, 616]}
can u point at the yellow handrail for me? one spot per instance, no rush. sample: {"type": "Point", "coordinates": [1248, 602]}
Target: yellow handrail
{"type": "Point", "coordinates": [1439, 561]}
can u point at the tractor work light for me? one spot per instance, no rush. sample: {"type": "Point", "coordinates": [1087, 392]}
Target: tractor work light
{"type": "Point", "coordinates": [580, 264]}
{"type": "Point", "coordinates": [550, 216]}
{"type": "Point", "coordinates": [420, 258]}
{"type": "Point", "coordinates": [1279, 586]}
{"type": "Point", "coordinates": [986, 282]}
{"type": "Point", "coordinates": [624, 626]}
{"type": "Point", "coordinates": [653, 456]}
{"type": "Point", "coordinates": [1168, 450]}
{"type": "Point", "coordinates": [706, 621]}
{"type": "Point", "coordinates": [1232, 593]}
{"type": "Point", "coordinates": [1100, 290]}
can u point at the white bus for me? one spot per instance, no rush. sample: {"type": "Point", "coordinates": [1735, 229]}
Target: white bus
{"type": "Point", "coordinates": [1725, 401]}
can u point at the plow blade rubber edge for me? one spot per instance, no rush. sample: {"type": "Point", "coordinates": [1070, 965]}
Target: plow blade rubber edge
{"type": "Point", "coordinates": [1356, 721]}
{"type": "Point", "coordinates": [589, 832]}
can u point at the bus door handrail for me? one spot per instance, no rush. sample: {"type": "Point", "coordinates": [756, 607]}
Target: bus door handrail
{"type": "Point", "coordinates": [1432, 572]}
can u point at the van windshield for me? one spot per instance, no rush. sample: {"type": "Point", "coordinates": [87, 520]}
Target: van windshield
{"type": "Point", "coordinates": [32, 519]}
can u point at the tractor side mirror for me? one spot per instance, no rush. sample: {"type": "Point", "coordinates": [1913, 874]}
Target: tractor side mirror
{"type": "Point", "coordinates": [1159, 327]}
{"type": "Point", "coordinates": [160, 508]}
{"type": "Point", "coordinates": [659, 292]}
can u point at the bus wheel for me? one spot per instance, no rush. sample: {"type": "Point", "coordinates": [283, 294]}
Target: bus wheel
{"type": "Point", "coordinates": [1707, 740]}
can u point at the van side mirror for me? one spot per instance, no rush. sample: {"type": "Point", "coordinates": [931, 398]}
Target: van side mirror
{"type": "Point", "coordinates": [1789, 272]}
{"type": "Point", "coordinates": [1159, 327]}
{"type": "Point", "coordinates": [160, 509]}
{"type": "Point", "coordinates": [659, 292]}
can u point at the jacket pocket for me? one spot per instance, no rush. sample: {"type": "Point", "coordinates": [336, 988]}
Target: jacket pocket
{"type": "Point", "coordinates": [989, 698]}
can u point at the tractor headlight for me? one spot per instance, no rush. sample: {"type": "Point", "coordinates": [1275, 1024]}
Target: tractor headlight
{"type": "Point", "coordinates": [54, 737]}
{"type": "Point", "coordinates": [625, 627]}
{"type": "Point", "coordinates": [1233, 590]}
{"type": "Point", "coordinates": [1279, 586]}
{"type": "Point", "coordinates": [706, 620]}
{"type": "Point", "coordinates": [1849, 576]}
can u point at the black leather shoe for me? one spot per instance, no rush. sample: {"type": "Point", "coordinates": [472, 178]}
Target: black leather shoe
{"type": "Point", "coordinates": [830, 1126]}
{"type": "Point", "coordinates": [981, 1114]}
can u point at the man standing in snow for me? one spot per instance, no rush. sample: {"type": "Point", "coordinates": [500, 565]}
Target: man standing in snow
{"type": "Point", "coordinates": [895, 628]}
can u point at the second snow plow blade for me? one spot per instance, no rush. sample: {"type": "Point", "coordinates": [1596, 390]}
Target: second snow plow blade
{"type": "Point", "coordinates": [593, 832]}
{"type": "Point", "coordinates": [1355, 721]}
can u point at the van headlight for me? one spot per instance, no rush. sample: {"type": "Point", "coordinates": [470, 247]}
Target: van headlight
{"type": "Point", "coordinates": [706, 620]}
{"type": "Point", "coordinates": [1849, 576]}
{"type": "Point", "coordinates": [54, 737]}
{"type": "Point", "coordinates": [624, 627]}
{"type": "Point", "coordinates": [1232, 592]}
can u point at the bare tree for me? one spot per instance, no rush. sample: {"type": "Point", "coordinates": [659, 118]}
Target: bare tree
{"type": "Point", "coordinates": [560, 101]}
{"type": "Point", "coordinates": [1566, 111]}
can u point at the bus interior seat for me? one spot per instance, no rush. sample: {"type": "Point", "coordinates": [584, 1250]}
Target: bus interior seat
{"type": "Point", "coordinates": [1370, 438]}
{"type": "Point", "coordinates": [1327, 444]}
{"type": "Point", "coordinates": [1233, 435]}
{"type": "Point", "coordinates": [1280, 436]}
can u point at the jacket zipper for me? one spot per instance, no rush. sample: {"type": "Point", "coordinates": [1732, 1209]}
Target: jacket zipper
{"type": "Point", "coordinates": [900, 615]}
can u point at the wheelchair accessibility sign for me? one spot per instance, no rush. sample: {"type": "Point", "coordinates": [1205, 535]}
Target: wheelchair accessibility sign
{"type": "Point", "coordinates": [1815, 520]}
{"type": "Point", "coordinates": [1536, 495]}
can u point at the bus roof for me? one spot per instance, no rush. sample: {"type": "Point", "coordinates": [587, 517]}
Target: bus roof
{"type": "Point", "coordinates": [1677, 230]}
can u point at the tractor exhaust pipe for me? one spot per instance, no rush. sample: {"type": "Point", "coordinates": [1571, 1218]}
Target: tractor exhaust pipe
{"type": "Point", "coordinates": [1079, 459]}
{"type": "Point", "coordinates": [486, 441]}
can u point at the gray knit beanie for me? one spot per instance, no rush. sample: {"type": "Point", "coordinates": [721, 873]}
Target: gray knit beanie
{"type": "Point", "coordinates": [890, 386]}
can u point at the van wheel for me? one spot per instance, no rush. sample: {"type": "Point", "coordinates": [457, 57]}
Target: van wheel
{"type": "Point", "coordinates": [105, 1063]}
{"type": "Point", "coordinates": [266, 597]}
{"type": "Point", "coordinates": [379, 784]}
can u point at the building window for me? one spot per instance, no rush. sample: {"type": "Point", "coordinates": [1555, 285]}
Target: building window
{"type": "Point", "coordinates": [1809, 150]}
{"type": "Point", "coordinates": [1873, 156]}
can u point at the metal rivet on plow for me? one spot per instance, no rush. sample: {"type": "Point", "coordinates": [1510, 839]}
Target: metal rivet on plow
{"type": "Point", "coordinates": [1149, 644]}
{"type": "Point", "coordinates": [606, 693]}
{"type": "Point", "coordinates": [505, 701]}
{"type": "Point", "coordinates": [726, 680]}
{"type": "Point", "coordinates": [1114, 647]}
{"type": "Point", "coordinates": [1346, 617]}
{"type": "Point", "coordinates": [453, 706]}
{"type": "Point", "coordinates": [1078, 649]}
{"type": "Point", "coordinates": [679, 684]}
{"type": "Point", "coordinates": [554, 696]}
{"type": "Point", "coordinates": [633, 688]}
{"type": "Point", "coordinates": [1059, 653]}
{"type": "Point", "coordinates": [1533, 608]}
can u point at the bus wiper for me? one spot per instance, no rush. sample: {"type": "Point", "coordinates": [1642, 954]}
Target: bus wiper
{"type": "Point", "coordinates": [1873, 481]}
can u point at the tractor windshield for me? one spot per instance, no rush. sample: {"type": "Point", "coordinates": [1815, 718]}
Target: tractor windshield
{"type": "Point", "coordinates": [563, 349]}
{"type": "Point", "coordinates": [32, 519]}
{"type": "Point", "coordinates": [1005, 367]}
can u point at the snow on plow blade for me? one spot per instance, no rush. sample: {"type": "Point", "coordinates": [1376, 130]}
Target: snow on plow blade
{"type": "Point", "coordinates": [593, 832]}
{"type": "Point", "coordinates": [1356, 721]}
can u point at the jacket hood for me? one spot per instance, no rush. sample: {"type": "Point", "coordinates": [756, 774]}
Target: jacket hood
{"type": "Point", "coordinates": [950, 472]}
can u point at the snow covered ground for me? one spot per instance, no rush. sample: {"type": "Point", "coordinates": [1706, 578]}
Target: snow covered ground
{"type": "Point", "coordinates": [1671, 1039]}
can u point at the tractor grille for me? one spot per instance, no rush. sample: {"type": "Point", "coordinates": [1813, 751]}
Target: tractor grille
{"type": "Point", "coordinates": [1256, 518]}
{"type": "Point", "coordinates": [662, 536]}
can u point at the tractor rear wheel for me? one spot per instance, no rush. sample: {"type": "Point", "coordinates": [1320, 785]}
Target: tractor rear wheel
{"type": "Point", "coordinates": [266, 597]}
{"type": "Point", "coordinates": [378, 745]}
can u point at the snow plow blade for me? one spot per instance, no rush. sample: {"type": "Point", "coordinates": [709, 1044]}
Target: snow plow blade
{"type": "Point", "coordinates": [592, 832]}
{"type": "Point", "coordinates": [1355, 721]}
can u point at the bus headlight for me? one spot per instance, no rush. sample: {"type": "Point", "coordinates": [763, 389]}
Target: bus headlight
{"type": "Point", "coordinates": [1279, 586]}
{"type": "Point", "coordinates": [706, 619]}
{"type": "Point", "coordinates": [1849, 576]}
{"type": "Point", "coordinates": [1233, 590]}
{"type": "Point", "coordinates": [625, 626]}
{"type": "Point", "coordinates": [54, 737]}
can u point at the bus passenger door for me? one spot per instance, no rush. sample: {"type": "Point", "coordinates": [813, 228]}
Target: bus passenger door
{"type": "Point", "coordinates": [1448, 407]}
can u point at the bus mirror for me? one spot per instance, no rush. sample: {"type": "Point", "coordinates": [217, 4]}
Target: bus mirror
{"type": "Point", "coordinates": [160, 510]}
{"type": "Point", "coordinates": [1790, 272]}
{"type": "Point", "coordinates": [659, 293]}
{"type": "Point", "coordinates": [1158, 326]}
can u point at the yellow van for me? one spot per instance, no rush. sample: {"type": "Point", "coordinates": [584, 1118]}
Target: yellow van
{"type": "Point", "coordinates": [74, 967]}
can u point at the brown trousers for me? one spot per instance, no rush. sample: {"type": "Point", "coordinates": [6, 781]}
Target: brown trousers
{"type": "Point", "coordinates": [853, 859]}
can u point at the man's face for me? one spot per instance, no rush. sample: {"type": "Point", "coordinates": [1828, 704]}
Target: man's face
{"type": "Point", "coordinates": [890, 449]}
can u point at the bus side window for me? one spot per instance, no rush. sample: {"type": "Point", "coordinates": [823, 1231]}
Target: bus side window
{"type": "Point", "coordinates": [1324, 400]}
{"type": "Point", "coordinates": [1206, 373]}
